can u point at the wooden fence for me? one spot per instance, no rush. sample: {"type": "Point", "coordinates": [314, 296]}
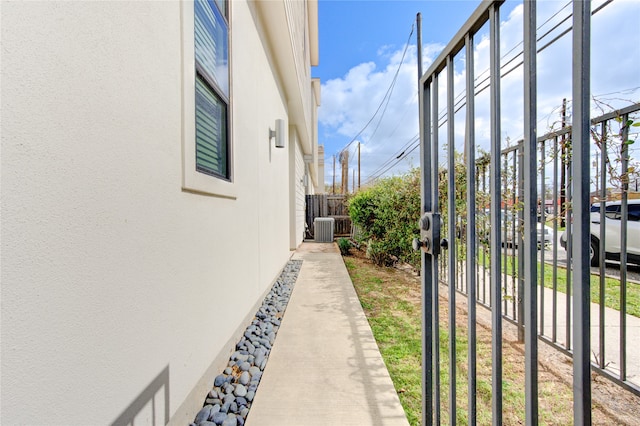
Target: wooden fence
{"type": "Point", "coordinates": [327, 205]}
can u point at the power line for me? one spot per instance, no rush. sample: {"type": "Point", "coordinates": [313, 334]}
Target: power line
{"type": "Point", "coordinates": [397, 155]}
{"type": "Point", "coordinates": [401, 157]}
{"type": "Point", "coordinates": [387, 94]}
{"type": "Point", "coordinates": [460, 99]}
{"type": "Point", "coordinates": [462, 96]}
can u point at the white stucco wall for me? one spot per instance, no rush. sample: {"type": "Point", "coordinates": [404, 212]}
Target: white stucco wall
{"type": "Point", "coordinates": [111, 273]}
{"type": "Point", "coordinates": [297, 190]}
{"type": "Point", "coordinates": [301, 191]}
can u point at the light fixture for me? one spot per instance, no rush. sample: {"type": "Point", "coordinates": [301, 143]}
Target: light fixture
{"type": "Point", "coordinates": [278, 133]}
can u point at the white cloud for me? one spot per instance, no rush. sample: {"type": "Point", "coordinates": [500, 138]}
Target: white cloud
{"type": "Point", "coordinates": [351, 101]}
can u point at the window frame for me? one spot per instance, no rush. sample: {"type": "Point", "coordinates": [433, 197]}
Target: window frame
{"type": "Point", "coordinates": [193, 180]}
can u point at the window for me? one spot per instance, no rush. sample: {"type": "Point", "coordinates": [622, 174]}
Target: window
{"type": "Point", "coordinates": [634, 212]}
{"type": "Point", "coordinates": [211, 35]}
{"type": "Point", "coordinates": [612, 211]}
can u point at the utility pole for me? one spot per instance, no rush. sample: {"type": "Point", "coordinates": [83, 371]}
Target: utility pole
{"type": "Point", "coordinates": [597, 166]}
{"type": "Point", "coordinates": [353, 181]}
{"type": "Point", "coordinates": [333, 191]}
{"type": "Point", "coordinates": [358, 166]}
{"type": "Point", "coordinates": [344, 162]}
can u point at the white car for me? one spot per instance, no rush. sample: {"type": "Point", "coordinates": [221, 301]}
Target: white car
{"type": "Point", "coordinates": [613, 226]}
{"type": "Point", "coordinates": [544, 232]}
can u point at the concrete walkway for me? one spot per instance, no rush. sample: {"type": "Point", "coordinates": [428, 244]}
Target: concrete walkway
{"type": "Point", "coordinates": [325, 367]}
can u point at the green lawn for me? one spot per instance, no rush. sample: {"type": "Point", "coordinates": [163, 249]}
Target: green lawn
{"type": "Point", "coordinates": [611, 285]}
{"type": "Point", "coordinates": [391, 301]}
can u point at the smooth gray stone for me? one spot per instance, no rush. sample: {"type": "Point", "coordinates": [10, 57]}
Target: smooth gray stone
{"type": "Point", "coordinates": [250, 395]}
{"type": "Point", "coordinates": [258, 361]}
{"type": "Point", "coordinates": [244, 378]}
{"type": "Point", "coordinates": [240, 390]}
{"type": "Point", "coordinates": [219, 380]}
{"type": "Point", "coordinates": [219, 418]}
{"type": "Point", "coordinates": [228, 389]}
{"type": "Point", "coordinates": [230, 421]}
{"type": "Point", "coordinates": [203, 414]}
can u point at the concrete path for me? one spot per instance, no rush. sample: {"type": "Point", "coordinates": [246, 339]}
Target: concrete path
{"type": "Point", "coordinates": [612, 328]}
{"type": "Point", "coordinates": [325, 367]}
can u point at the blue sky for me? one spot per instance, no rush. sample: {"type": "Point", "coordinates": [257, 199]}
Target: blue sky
{"type": "Point", "coordinates": [362, 43]}
{"type": "Point", "coordinates": [353, 31]}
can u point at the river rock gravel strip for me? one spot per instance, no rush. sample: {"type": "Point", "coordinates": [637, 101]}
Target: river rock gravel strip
{"type": "Point", "coordinates": [228, 403]}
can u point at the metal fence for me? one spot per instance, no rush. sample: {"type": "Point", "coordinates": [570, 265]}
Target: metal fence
{"type": "Point", "coordinates": [523, 239]}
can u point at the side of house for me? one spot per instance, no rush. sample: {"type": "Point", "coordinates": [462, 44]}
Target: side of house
{"type": "Point", "coordinates": [146, 208]}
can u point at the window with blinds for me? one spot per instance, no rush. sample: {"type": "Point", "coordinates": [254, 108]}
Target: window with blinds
{"type": "Point", "coordinates": [212, 87]}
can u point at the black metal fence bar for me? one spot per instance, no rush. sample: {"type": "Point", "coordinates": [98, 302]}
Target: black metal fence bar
{"type": "Point", "coordinates": [496, 284]}
{"type": "Point", "coordinates": [623, 246]}
{"type": "Point", "coordinates": [452, 219]}
{"type": "Point", "coordinates": [471, 254]}
{"type": "Point", "coordinates": [530, 215]}
{"type": "Point", "coordinates": [435, 150]}
{"type": "Point", "coordinates": [603, 197]}
{"type": "Point", "coordinates": [542, 219]}
{"type": "Point", "coordinates": [554, 303]}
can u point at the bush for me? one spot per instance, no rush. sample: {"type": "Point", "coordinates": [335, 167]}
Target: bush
{"type": "Point", "coordinates": [388, 213]}
{"type": "Point", "coordinates": [345, 246]}
{"type": "Point", "coordinates": [378, 254]}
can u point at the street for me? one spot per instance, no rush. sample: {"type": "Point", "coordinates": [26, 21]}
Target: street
{"type": "Point", "coordinates": [612, 267]}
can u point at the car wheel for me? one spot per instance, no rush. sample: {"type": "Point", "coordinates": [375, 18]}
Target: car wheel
{"type": "Point", "coordinates": [594, 252]}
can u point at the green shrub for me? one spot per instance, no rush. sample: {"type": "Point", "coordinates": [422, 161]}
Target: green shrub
{"type": "Point", "coordinates": [345, 246]}
{"type": "Point", "coordinates": [387, 214]}
{"type": "Point", "coordinates": [378, 254]}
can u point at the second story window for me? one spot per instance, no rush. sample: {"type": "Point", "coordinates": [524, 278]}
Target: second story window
{"type": "Point", "coordinates": [212, 97]}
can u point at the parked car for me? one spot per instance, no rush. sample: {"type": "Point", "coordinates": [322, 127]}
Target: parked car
{"type": "Point", "coordinates": [544, 232]}
{"type": "Point", "coordinates": [613, 227]}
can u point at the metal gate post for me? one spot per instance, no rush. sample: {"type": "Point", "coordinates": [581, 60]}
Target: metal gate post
{"type": "Point", "coordinates": [427, 274]}
{"type": "Point", "coordinates": [435, 271]}
{"type": "Point", "coordinates": [581, 176]}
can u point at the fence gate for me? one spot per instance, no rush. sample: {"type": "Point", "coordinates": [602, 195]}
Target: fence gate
{"type": "Point", "coordinates": [453, 240]}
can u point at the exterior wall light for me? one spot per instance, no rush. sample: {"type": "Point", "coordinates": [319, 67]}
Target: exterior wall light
{"type": "Point", "coordinates": [278, 133]}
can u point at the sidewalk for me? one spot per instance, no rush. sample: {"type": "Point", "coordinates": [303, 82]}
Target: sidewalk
{"type": "Point", "coordinates": [325, 367]}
